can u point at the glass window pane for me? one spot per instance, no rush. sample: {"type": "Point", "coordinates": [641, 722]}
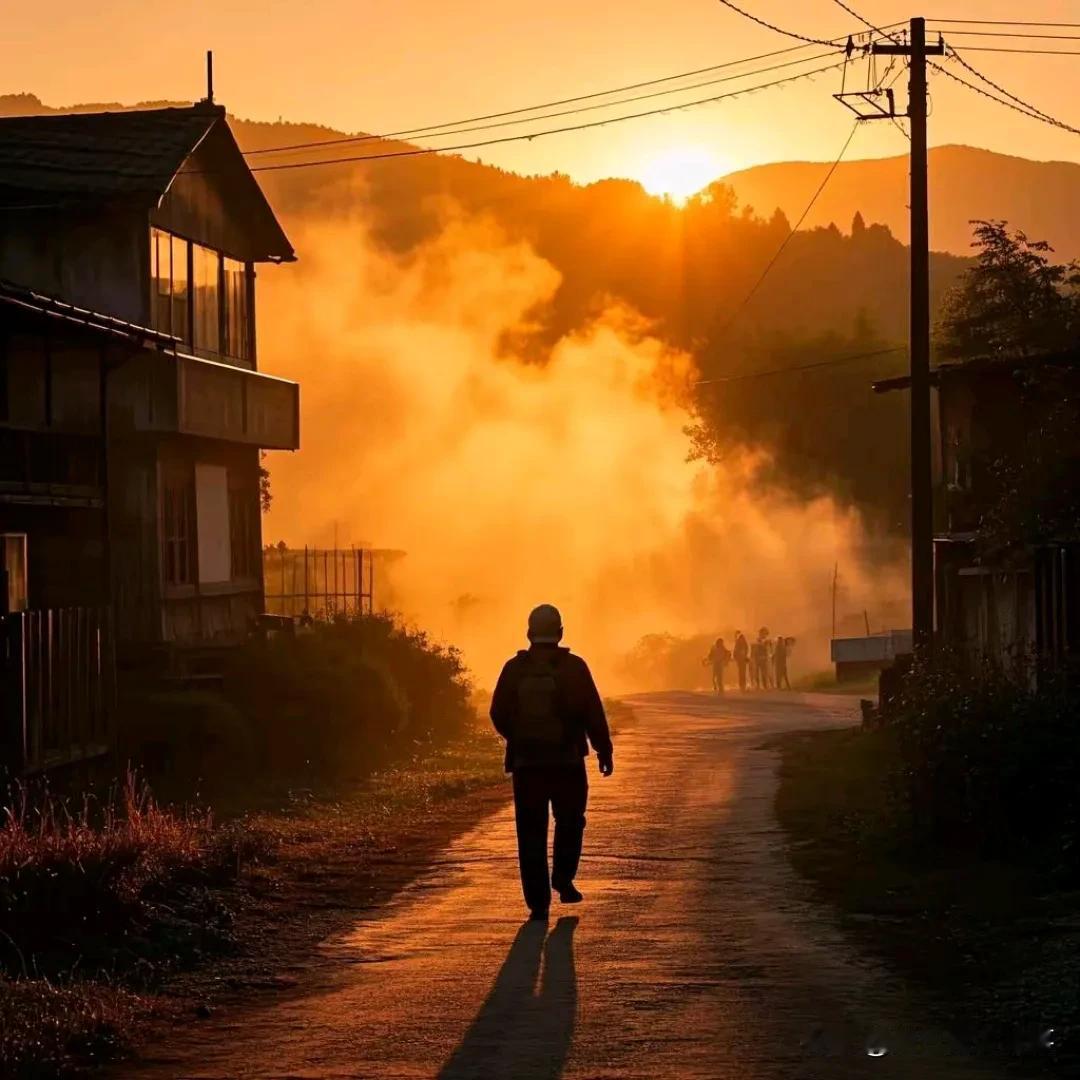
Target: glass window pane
{"type": "Point", "coordinates": [161, 281]}
{"type": "Point", "coordinates": [236, 309]}
{"type": "Point", "coordinates": [180, 288]}
{"type": "Point", "coordinates": [207, 300]}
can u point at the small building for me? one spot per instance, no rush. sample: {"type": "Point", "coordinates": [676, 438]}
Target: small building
{"type": "Point", "coordinates": [1016, 606]}
{"type": "Point", "coordinates": [132, 410]}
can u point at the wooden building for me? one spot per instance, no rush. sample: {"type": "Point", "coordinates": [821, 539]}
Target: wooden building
{"type": "Point", "coordinates": [1019, 607]}
{"type": "Point", "coordinates": [132, 410]}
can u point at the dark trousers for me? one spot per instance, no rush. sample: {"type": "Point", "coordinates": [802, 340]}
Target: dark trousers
{"type": "Point", "coordinates": [566, 788]}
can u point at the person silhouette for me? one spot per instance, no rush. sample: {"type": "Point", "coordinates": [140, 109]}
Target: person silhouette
{"type": "Point", "coordinates": [741, 653]}
{"type": "Point", "coordinates": [547, 708]}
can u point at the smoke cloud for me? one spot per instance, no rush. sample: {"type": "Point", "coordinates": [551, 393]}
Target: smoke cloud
{"type": "Point", "coordinates": [510, 483]}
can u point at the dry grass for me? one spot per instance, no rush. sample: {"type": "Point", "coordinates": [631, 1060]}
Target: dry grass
{"type": "Point", "coordinates": [46, 1029]}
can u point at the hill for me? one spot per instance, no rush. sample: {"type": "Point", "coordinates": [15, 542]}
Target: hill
{"type": "Point", "coordinates": [1040, 197]}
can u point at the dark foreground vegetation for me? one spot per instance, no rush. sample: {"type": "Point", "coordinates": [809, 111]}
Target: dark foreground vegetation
{"type": "Point", "coordinates": [948, 836]}
{"type": "Point", "coordinates": [347, 739]}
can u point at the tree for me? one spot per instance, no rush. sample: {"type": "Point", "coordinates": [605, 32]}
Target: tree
{"type": "Point", "coordinates": [1013, 301]}
{"type": "Point", "coordinates": [858, 225]}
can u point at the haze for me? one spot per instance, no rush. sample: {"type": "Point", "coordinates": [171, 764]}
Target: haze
{"type": "Point", "coordinates": [381, 67]}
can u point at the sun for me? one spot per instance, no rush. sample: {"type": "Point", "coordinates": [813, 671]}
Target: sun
{"type": "Point", "coordinates": [680, 172]}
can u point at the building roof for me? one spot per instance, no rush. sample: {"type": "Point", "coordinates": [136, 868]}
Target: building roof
{"type": "Point", "coordinates": [18, 298]}
{"type": "Point", "coordinates": [983, 366]}
{"type": "Point", "coordinates": [87, 157]}
{"type": "Point", "coordinates": [84, 160]}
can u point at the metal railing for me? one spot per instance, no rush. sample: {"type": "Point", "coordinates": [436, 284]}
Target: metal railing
{"type": "Point", "coordinates": [57, 687]}
{"type": "Point", "coordinates": [320, 583]}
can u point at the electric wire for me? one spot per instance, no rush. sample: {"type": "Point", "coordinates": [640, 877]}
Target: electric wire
{"type": "Point", "coordinates": [877, 30]}
{"type": "Point", "coordinates": [528, 136]}
{"type": "Point", "coordinates": [1046, 117]}
{"type": "Point", "coordinates": [1008, 34]}
{"type": "Point", "coordinates": [787, 239]}
{"type": "Point", "coordinates": [1008, 22]}
{"type": "Point", "coordinates": [432, 128]}
{"type": "Point", "coordinates": [1022, 52]}
{"type": "Point", "coordinates": [1001, 101]}
{"type": "Point", "coordinates": [832, 362]}
{"type": "Point", "coordinates": [772, 26]}
{"type": "Point", "coordinates": [577, 110]}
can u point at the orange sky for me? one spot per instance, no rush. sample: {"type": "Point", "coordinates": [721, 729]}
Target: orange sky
{"type": "Point", "coordinates": [382, 66]}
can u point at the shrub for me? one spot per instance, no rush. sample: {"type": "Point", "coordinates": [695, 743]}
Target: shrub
{"type": "Point", "coordinates": [348, 695]}
{"type": "Point", "coordinates": [95, 875]}
{"type": "Point", "coordinates": [988, 760]}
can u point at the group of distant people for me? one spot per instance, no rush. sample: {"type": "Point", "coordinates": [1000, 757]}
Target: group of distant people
{"type": "Point", "coordinates": [761, 664]}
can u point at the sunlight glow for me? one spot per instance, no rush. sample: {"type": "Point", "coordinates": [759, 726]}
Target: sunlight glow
{"type": "Point", "coordinates": [680, 172]}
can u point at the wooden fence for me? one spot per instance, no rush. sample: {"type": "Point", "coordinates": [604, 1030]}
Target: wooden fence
{"type": "Point", "coordinates": [57, 687]}
{"type": "Point", "coordinates": [318, 582]}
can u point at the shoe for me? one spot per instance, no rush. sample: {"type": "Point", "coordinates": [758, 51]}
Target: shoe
{"type": "Point", "coordinates": [538, 915]}
{"type": "Point", "coordinates": [568, 894]}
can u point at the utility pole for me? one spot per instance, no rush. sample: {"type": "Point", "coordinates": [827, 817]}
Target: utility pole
{"type": "Point", "coordinates": [922, 499]}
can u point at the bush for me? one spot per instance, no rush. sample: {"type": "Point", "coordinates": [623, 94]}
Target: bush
{"type": "Point", "coordinates": [667, 662]}
{"type": "Point", "coordinates": [346, 696]}
{"type": "Point", "coordinates": [987, 760]}
{"type": "Point", "coordinates": [95, 876]}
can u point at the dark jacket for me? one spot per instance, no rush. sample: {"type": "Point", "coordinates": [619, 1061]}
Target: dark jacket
{"type": "Point", "coordinates": [584, 717]}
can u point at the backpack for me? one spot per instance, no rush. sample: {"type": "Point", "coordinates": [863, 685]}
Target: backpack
{"type": "Point", "coordinates": [540, 704]}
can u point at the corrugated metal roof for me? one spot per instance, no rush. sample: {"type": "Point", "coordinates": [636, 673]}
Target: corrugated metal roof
{"type": "Point", "coordinates": [91, 157]}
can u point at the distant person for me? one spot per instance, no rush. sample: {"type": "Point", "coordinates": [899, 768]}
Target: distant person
{"type": "Point", "coordinates": [547, 708]}
{"type": "Point", "coordinates": [741, 652]}
{"type": "Point", "coordinates": [719, 657]}
{"type": "Point", "coordinates": [780, 659]}
{"type": "Point", "coordinates": [759, 652]}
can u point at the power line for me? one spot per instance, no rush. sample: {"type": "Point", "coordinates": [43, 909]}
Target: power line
{"type": "Point", "coordinates": [833, 362]}
{"type": "Point", "coordinates": [1007, 22]}
{"type": "Point", "coordinates": [1006, 34]}
{"type": "Point", "coordinates": [992, 97]}
{"type": "Point", "coordinates": [851, 11]}
{"type": "Point", "coordinates": [530, 108]}
{"type": "Point", "coordinates": [1023, 52]}
{"type": "Point", "coordinates": [424, 150]}
{"type": "Point", "coordinates": [1032, 109]}
{"type": "Point", "coordinates": [787, 239]}
{"type": "Point", "coordinates": [773, 26]}
{"type": "Point", "coordinates": [582, 108]}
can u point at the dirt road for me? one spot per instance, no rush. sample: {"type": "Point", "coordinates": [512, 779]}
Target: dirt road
{"type": "Point", "coordinates": [697, 952]}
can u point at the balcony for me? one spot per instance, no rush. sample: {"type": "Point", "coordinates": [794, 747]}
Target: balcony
{"type": "Point", "coordinates": [177, 393]}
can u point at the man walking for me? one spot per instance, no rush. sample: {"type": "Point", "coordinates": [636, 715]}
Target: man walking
{"type": "Point", "coordinates": [547, 708]}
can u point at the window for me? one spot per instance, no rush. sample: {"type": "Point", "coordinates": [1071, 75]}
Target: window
{"type": "Point", "coordinates": [169, 276]}
{"type": "Point", "coordinates": [13, 569]}
{"type": "Point", "coordinates": [237, 313]}
{"type": "Point", "coordinates": [178, 525]}
{"type": "Point", "coordinates": [207, 266]}
{"type": "Point", "coordinates": [244, 529]}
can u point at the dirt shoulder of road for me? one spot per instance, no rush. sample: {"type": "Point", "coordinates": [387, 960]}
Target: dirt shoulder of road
{"type": "Point", "coordinates": [333, 856]}
{"type": "Point", "coordinates": [330, 857]}
{"type": "Point", "coordinates": [996, 950]}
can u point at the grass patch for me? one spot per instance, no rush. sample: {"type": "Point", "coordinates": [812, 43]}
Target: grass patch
{"type": "Point", "coordinates": [994, 943]}
{"type": "Point", "coordinates": [825, 682]}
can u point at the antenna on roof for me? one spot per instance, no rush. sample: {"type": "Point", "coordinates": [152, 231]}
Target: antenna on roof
{"type": "Point", "coordinates": [210, 76]}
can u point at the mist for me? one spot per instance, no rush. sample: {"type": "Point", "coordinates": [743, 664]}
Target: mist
{"type": "Point", "coordinates": [508, 482]}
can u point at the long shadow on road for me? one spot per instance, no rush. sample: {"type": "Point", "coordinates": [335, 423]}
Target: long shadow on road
{"type": "Point", "coordinates": [519, 1031]}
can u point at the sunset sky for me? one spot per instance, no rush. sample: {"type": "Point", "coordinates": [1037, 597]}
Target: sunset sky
{"type": "Point", "coordinates": [381, 67]}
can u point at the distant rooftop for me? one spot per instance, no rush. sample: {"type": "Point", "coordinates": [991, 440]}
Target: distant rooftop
{"type": "Point", "coordinates": [986, 365]}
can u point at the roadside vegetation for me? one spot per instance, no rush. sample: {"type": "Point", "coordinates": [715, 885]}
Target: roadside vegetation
{"type": "Point", "coordinates": [316, 750]}
{"type": "Point", "coordinates": [948, 836]}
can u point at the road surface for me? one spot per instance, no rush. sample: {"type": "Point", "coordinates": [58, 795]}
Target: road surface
{"type": "Point", "coordinates": [697, 952]}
